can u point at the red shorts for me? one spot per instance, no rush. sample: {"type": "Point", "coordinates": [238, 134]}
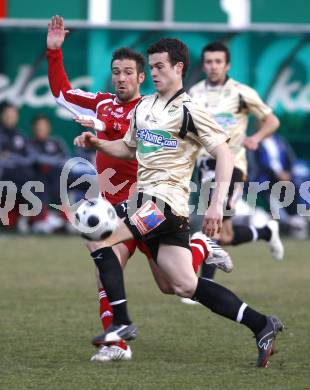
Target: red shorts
{"type": "Point", "coordinates": [133, 244]}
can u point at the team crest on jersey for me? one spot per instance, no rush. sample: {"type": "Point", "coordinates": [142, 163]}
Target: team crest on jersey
{"type": "Point", "coordinates": [153, 140]}
{"type": "Point", "coordinates": [147, 218]}
{"type": "Point", "coordinates": [172, 109]}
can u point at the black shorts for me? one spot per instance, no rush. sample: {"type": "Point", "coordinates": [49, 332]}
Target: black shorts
{"type": "Point", "coordinates": [152, 220]}
{"type": "Point", "coordinates": [237, 177]}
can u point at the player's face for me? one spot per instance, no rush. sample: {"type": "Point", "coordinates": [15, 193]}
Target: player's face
{"type": "Point", "coordinates": [165, 77]}
{"type": "Point", "coordinates": [126, 79]}
{"type": "Point", "coordinates": [215, 66]}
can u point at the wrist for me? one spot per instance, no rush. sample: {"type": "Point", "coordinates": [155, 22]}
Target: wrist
{"type": "Point", "coordinates": [98, 124]}
{"type": "Point", "coordinates": [257, 137]}
{"type": "Point", "coordinates": [216, 204]}
{"type": "Point", "coordinates": [54, 53]}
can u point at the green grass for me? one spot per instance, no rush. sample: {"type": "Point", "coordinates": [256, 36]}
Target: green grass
{"type": "Point", "coordinates": [49, 312]}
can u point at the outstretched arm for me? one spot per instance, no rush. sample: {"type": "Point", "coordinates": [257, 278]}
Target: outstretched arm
{"type": "Point", "coordinates": [117, 149]}
{"type": "Point", "coordinates": [56, 33]}
{"type": "Point", "coordinates": [76, 101]}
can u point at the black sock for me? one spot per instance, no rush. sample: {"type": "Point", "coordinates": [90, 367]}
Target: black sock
{"type": "Point", "coordinates": [208, 271]}
{"type": "Point", "coordinates": [253, 320]}
{"type": "Point", "coordinates": [224, 302]}
{"type": "Point", "coordinates": [217, 298]}
{"type": "Point", "coordinates": [111, 276]}
{"type": "Point", "coordinates": [242, 234]}
{"type": "Point", "coordinates": [264, 233]}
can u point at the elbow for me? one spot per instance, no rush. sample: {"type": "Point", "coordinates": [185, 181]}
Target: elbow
{"type": "Point", "coordinates": [277, 123]}
{"type": "Point", "coordinates": [130, 156]}
{"type": "Point", "coordinates": [130, 153]}
{"type": "Point", "coordinates": [274, 123]}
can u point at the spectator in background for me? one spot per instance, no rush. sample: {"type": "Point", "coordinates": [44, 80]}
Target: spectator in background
{"type": "Point", "coordinates": [50, 157]}
{"type": "Point", "coordinates": [16, 159]}
{"type": "Point", "coordinates": [275, 161]}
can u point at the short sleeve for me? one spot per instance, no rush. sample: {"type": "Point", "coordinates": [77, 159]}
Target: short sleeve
{"type": "Point", "coordinates": [254, 103]}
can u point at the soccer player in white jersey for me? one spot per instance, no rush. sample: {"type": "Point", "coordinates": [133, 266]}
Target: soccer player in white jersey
{"type": "Point", "coordinates": [230, 104]}
{"type": "Point", "coordinates": [112, 113]}
{"type": "Point", "coordinates": [165, 134]}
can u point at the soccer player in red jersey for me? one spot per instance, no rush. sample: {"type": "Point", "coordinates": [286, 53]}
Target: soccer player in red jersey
{"type": "Point", "coordinates": [110, 115]}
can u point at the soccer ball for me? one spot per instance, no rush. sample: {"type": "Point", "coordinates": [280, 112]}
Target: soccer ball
{"type": "Point", "coordinates": [96, 219]}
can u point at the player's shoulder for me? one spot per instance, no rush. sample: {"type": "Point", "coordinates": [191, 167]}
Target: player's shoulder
{"type": "Point", "coordinates": [240, 87]}
{"type": "Point", "coordinates": [191, 103]}
{"type": "Point", "coordinates": [146, 99]}
{"type": "Point", "coordinates": [149, 98]}
{"type": "Point", "coordinates": [195, 109]}
{"type": "Point", "coordinates": [109, 97]}
{"type": "Point", "coordinates": [104, 99]}
{"type": "Point", "coordinates": [196, 88]}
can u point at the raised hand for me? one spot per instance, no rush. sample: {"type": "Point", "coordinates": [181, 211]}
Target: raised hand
{"type": "Point", "coordinates": [56, 33]}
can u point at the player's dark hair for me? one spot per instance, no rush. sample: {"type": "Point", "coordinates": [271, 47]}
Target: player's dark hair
{"type": "Point", "coordinates": [39, 117]}
{"type": "Point", "coordinates": [125, 53]}
{"type": "Point", "coordinates": [177, 51]}
{"type": "Point", "coordinates": [216, 46]}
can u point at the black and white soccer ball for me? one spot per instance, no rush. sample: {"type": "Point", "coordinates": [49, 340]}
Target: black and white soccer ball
{"type": "Point", "coordinates": [96, 219]}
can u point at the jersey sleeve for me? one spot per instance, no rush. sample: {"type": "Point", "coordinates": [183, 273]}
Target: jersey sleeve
{"type": "Point", "coordinates": [130, 136]}
{"type": "Point", "coordinates": [209, 133]}
{"type": "Point", "coordinates": [254, 103]}
{"type": "Point", "coordinates": [76, 101]}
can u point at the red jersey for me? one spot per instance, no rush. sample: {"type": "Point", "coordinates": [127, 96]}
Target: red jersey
{"type": "Point", "coordinates": [116, 176]}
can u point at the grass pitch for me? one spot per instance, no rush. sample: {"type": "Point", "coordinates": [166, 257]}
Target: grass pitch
{"type": "Point", "coordinates": [49, 312]}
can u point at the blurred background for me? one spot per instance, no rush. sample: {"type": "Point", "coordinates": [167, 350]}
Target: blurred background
{"type": "Point", "coordinates": [269, 43]}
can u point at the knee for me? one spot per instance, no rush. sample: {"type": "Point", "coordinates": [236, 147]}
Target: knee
{"type": "Point", "coordinates": [184, 290]}
{"type": "Point", "coordinates": [94, 245]}
{"type": "Point", "coordinates": [166, 288]}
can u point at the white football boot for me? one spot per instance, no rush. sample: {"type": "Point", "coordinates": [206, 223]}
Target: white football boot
{"type": "Point", "coordinates": [275, 243]}
{"type": "Point", "coordinates": [217, 255]}
{"type": "Point", "coordinates": [108, 353]}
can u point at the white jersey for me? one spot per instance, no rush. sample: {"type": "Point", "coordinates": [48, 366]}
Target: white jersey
{"type": "Point", "coordinates": [230, 105]}
{"type": "Point", "coordinates": [168, 136]}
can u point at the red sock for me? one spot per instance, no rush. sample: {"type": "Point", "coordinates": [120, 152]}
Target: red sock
{"type": "Point", "coordinates": [199, 252]}
{"type": "Point", "coordinates": [106, 314]}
